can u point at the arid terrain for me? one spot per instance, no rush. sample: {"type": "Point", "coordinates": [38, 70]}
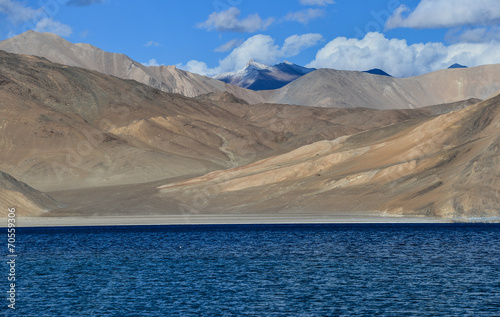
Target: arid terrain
{"type": "Point", "coordinates": [75, 141]}
{"type": "Point", "coordinates": [446, 166]}
{"type": "Point", "coordinates": [321, 88]}
{"type": "Point", "coordinates": [165, 78]}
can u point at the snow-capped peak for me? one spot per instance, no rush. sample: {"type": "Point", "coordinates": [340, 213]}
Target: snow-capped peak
{"type": "Point", "coordinates": [252, 63]}
{"type": "Point", "coordinates": [259, 76]}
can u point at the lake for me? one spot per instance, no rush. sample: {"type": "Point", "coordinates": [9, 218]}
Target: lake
{"type": "Point", "coordinates": [258, 270]}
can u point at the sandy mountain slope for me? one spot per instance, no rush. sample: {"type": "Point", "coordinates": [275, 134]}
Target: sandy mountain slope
{"type": "Point", "coordinates": [446, 166]}
{"type": "Point", "coordinates": [26, 200]}
{"type": "Point", "coordinates": [165, 78]}
{"type": "Point", "coordinates": [63, 127]}
{"type": "Point", "coordinates": [305, 125]}
{"type": "Point", "coordinates": [347, 89]}
{"type": "Point", "coordinates": [66, 127]}
{"type": "Point", "coordinates": [298, 126]}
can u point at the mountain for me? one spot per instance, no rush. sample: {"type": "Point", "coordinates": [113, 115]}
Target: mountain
{"type": "Point", "coordinates": [445, 166]}
{"type": "Point", "coordinates": [377, 71]}
{"type": "Point", "coordinates": [348, 89]}
{"type": "Point", "coordinates": [256, 76]}
{"type": "Point", "coordinates": [101, 144]}
{"type": "Point", "coordinates": [67, 127]}
{"type": "Point", "coordinates": [321, 88]}
{"type": "Point", "coordinates": [457, 66]}
{"type": "Point", "coordinates": [165, 78]}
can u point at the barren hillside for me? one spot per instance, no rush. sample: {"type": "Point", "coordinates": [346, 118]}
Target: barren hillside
{"type": "Point", "coordinates": [165, 78]}
{"type": "Point", "coordinates": [69, 127]}
{"type": "Point", "coordinates": [26, 200]}
{"type": "Point", "coordinates": [447, 166]}
{"type": "Point", "coordinates": [66, 127]}
{"type": "Point", "coordinates": [320, 88]}
{"type": "Point", "coordinates": [346, 89]}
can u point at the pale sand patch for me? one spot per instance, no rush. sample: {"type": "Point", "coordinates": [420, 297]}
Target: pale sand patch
{"type": "Point", "coordinates": [212, 219]}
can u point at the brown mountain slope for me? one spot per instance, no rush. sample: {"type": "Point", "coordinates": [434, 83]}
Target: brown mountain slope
{"type": "Point", "coordinates": [165, 78]}
{"type": "Point", "coordinates": [447, 166]}
{"type": "Point", "coordinates": [66, 127]}
{"type": "Point", "coordinates": [63, 127]}
{"type": "Point", "coordinates": [26, 200]}
{"type": "Point", "coordinates": [346, 89]}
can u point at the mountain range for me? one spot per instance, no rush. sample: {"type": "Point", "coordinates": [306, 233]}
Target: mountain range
{"type": "Point", "coordinates": [67, 128]}
{"type": "Point", "coordinates": [321, 88]}
{"type": "Point", "coordinates": [75, 140]}
{"type": "Point", "coordinates": [164, 78]}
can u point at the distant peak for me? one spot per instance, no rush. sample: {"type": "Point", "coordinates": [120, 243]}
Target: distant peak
{"type": "Point", "coordinates": [34, 34]}
{"type": "Point", "coordinates": [377, 71]}
{"type": "Point", "coordinates": [287, 62]}
{"type": "Point", "coordinates": [456, 65]}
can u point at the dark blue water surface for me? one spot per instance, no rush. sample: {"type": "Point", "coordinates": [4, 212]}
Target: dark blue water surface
{"type": "Point", "coordinates": [259, 270]}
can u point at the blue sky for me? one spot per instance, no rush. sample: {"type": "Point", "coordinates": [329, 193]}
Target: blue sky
{"type": "Point", "coordinates": [403, 37]}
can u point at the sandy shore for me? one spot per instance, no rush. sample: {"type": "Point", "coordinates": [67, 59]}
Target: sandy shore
{"type": "Point", "coordinates": [211, 219]}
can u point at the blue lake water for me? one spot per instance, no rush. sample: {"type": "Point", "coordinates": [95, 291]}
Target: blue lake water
{"type": "Point", "coordinates": [259, 270]}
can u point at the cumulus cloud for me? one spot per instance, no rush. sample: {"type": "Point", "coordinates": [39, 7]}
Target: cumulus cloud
{"type": "Point", "coordinates": [83, 3]}
{"type": "Point", "coordinates": [152, 43]}
{"type": "Point", "coordinates": [297, 43]}
{"type": "Point", "coordinates": [226, 47]}
{"type": "Point", "coordinates": [18, 13]}
{"type": "Point", "coordinates": [321, 3]}
{"type": "Point", "coordinates": [304, 16]}
{"type": "Point", "coordinates": [151, 62]}
{"type": "Point", "coordinates": [261, 48]}
{"type": "Point", "coordinates": [474, 35]}
{"type": "Point", "coordinates": [446, 14]}
{"type": "Point", "coordinates": [36, 19]}
{"type": "Point", "coordinates": [56, 27]}
{"type": "Point", "coordinates": [398, 58]}
{"type": "Point", "coordinates": [198, 67]}
{"type": "Point", "coordinates": [228, 21]}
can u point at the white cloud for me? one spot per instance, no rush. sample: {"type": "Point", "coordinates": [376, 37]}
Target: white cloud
{"type": "Point", "coordinates": [152, 43]}
{"type": "Point", "coordinates": [446, 14]}
{"type": "Point", "coordinates": [18, 13]}
{"type": "Point", "coordinates": [226, 47]}
{"type": "Point", "coordinates": [304, 16]}
{"type": "Point", "coordinates": [261, 48]}
{"type": "Point", "coordinates": [474, 35]}
{"type": "Point", "coordinates": [398, 58]}
{"type": "Point", "coordinates": [198, 67]}
{"type": "Point", "coordinates": [56, 27]}
{"type": "Point", "coordinates": [228, 21]}
{"type": "Point", "coordinates": [321, 3]}
{"type": "Point", "coordinates": [297, 43]}
{"type": "Point", "coordinates": [151, 62]}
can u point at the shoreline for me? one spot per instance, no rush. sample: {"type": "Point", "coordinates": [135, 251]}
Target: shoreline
{"type": "Point", "coordinates": [213, 219]}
